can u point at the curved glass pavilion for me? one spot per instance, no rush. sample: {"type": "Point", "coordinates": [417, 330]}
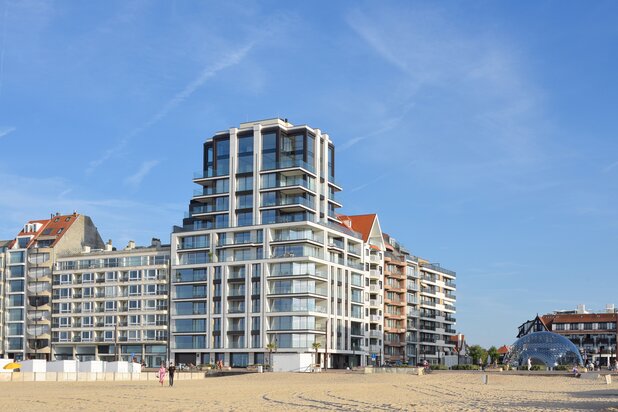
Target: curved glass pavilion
{"type": "Point", "coordinates": [544, 347]}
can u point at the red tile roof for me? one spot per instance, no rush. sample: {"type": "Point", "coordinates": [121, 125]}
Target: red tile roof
{"type": "Point", "coordinates": [360, 223]}
{"type": "Point", "coordinates": [502, 350]}
{"type": "Point", "coordinates": [579, 318]}
{"type": "Point", "coordinates": [54, 224]}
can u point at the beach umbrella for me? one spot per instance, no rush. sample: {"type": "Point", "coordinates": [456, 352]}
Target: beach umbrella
{"type": "Point", "coordinates": [12, 365]}
{"type": "Point", "coordinates": [489, 359]}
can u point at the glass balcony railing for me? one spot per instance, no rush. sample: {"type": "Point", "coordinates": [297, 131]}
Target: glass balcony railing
{"type": "Point", "coordinates": [210, 173]}
{"type": "Point", "coordinates": [290, 182]}
{"type": "Point", "coordinates": [292, 200]}
{"type": "Point", "coordinates": [288, 164]}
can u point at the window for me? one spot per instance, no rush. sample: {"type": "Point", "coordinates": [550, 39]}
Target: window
{"type": "Point", "coordinates": [134, 275]}
{"type": "Point", "coordinates": [244, 183]}
{"type": "Point", "coordinates": [86, 336]}
{"type": "Point", "coordinates": [47, 232]}
{"type": "Point", "coordinates": [87, 321]}
{"type": "Point", "coordinates": [245, 154]}
{"type": "Point", "coordinates": [244, 202]}
{"type": "Point", "coordinates": [134, 305]}
{"type": "Point", "coordinates": [110, 321]}
{"type": "Point", "coordinates": [87, 306]}
{"type": "Point", "coordinates": [151, 289]}
{"type": "Point", "coordinates": [108, 335]}
{"type": "Point", "coordinates": [59, 230]}
{"type": "Point", "coordinates": [110, 306]}
{"type": "Point", "coordinates": [269, 151]}
{"type": "Point", "coordinates": [135, 290]}
{"type": "Point", "coordinates": [245, 218]}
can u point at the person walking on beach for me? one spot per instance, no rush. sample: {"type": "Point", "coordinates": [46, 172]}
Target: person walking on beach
{"type": "Point", "coordinates": [529, 363]}
{"type": "Point", "coordinates": [171, 370]}
{"type": "Point", "coordinates": [161, 374]}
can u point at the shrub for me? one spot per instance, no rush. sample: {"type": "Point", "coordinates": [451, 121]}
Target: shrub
{"type": "Point", "coordinates": [438, 367]}
{"type": "Point", "coordinates": [465, 367]}
{"type": "Point", "coordinates": [562, 368]}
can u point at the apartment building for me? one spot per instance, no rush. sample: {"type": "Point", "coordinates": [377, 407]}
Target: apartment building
{"type": "Point", "coordinates": [3, 247]}
{"type": "Point", "coordinates": [411, 301]}
{"type": "Point", "coordinates": [437, 307]}
{"type": "Point", "coordinates": [374, 248]}
{"type": "Point", "coordinates": [29, 261]}
{"type": "Point", "coordinates": [262, 260]}
{"type": "Point", "coordinates": [112, 304]}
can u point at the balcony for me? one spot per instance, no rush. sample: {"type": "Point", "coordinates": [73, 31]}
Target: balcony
{"type": "Point", "coordinates": [375, 348]}
{"type": "Point", "coordinates": [374, 274]}
{"type": "Point", "coordinates": [289, 182]}
{"type": "Point", "coordinates": [374, 303]}
{"type": "Point", "coordinates": [210, 191]}
{"type": "Point", "coordinates": [39, 288]}
{"type": "Point", "coordinates": [375, 334]}
{"type": "Point", "coordinates": [375, 318]}
{"type": "Point", "coordinates": [289, 164]}
{"type": "Point", "coordinates": [210, 173]}
{"type": "Point", "coordinates": [291, 201]}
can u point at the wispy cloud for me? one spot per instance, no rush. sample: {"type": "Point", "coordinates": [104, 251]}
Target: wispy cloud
{"type": "Point", "coordinates": [7, 131]}
{"type": "Point", "coordinates": [23, 198]}
{"type": "Point", "coordinates": [610, 167]}
{"type": "Point", "coordinates": [387, 125]}
{"type": "Point", "coordinates": [434, 56]}
{"type": "Point", "coordinates": [135, 179]}
{"type": "Point", "coordinates": [229, 60]}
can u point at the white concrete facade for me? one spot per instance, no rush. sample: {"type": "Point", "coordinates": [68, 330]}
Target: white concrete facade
{"type": "Point", "coordinates": [262, 259]}
{"type": "Point", "coordinates": [112, 305]}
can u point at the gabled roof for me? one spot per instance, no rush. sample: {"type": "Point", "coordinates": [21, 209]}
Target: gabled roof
{"type": "Point", "coordinates": [361, 223]}
{"type": "Point", "coordinates": [51, 229]}
{"type": "Point", "coordinates": [503, 350]}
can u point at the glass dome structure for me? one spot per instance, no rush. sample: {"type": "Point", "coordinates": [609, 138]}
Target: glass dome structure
{"type": "Point", "coordinates": [544, 347]}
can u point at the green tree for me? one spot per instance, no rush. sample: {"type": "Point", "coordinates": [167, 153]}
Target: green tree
{"type": "Point", "coordinates": [477, 352]}
{"type": "Point", "coordinates": [271, 347]}
{"type": "Point", "coordinates": [316, 346]}
{"type": "Point", "coordinates": [493, 352]}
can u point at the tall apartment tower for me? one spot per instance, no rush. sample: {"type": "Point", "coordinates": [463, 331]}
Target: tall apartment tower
{"type": "Point", "coordinates": [29, 262]}
{"type": "Point", "coordinates": [112, 304]}
{"type": "Point", "coordinates": [261, 263]}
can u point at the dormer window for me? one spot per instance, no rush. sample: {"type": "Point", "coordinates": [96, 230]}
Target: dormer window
{"type": "Point", "coordinates": [59, 230]}
{"type": "Point", "coordinates": [67, 219]}
{"type": "Point", "coordinates": [56, 220]}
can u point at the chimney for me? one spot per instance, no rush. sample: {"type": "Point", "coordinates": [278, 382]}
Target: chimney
{"type": "Point", "coordinates": [86, 249]}
{"type": "Point", "coordinates": [131, 245]}
{"type": "Point", "coordinates": [156, 242]}
{"type": "Point", "coordinates": [108, 246]}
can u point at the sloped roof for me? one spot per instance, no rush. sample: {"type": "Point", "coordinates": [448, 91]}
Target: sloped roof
{"type": "Point", "coordinates": [362, 224]}
{"type": "Point", "coordinates": [579, 317]}
{"type": "Point", "coordinates": [58, 223]}
{"type": "Point", "coordinates": [502, 350]}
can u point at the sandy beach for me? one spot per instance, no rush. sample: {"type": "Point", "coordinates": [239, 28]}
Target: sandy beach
{"type": "Point", "coordinates": [326, 391]}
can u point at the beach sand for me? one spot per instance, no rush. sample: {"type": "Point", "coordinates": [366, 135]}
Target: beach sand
{"type": "Point", "coordinates": [450, 391]}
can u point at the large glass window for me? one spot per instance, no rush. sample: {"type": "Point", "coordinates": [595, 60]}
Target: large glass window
{"type": "Point", "coordinates": [190, 325]}
{"type": "Point", "coordinates": [222, 152]}
{"type": "Point", "coordinates": [245, 154]}
{"type": "Point", "coordinates": [190, 342]}
{"type": "Point", "coordinates": [244, 202]}
{"type": "Point", "coordinates": [244, 218]}
{"type": "Point", "coordinates": [244, 183]}
{"type": "Point", "coordinates": [269, 151]}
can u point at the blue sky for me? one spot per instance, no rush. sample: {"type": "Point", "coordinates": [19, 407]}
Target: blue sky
{"type": "Point", "coordinates": [482, 133]}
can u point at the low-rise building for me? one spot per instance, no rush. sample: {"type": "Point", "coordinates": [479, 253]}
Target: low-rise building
{"type": "Point", "coordinates": [594, 333]}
